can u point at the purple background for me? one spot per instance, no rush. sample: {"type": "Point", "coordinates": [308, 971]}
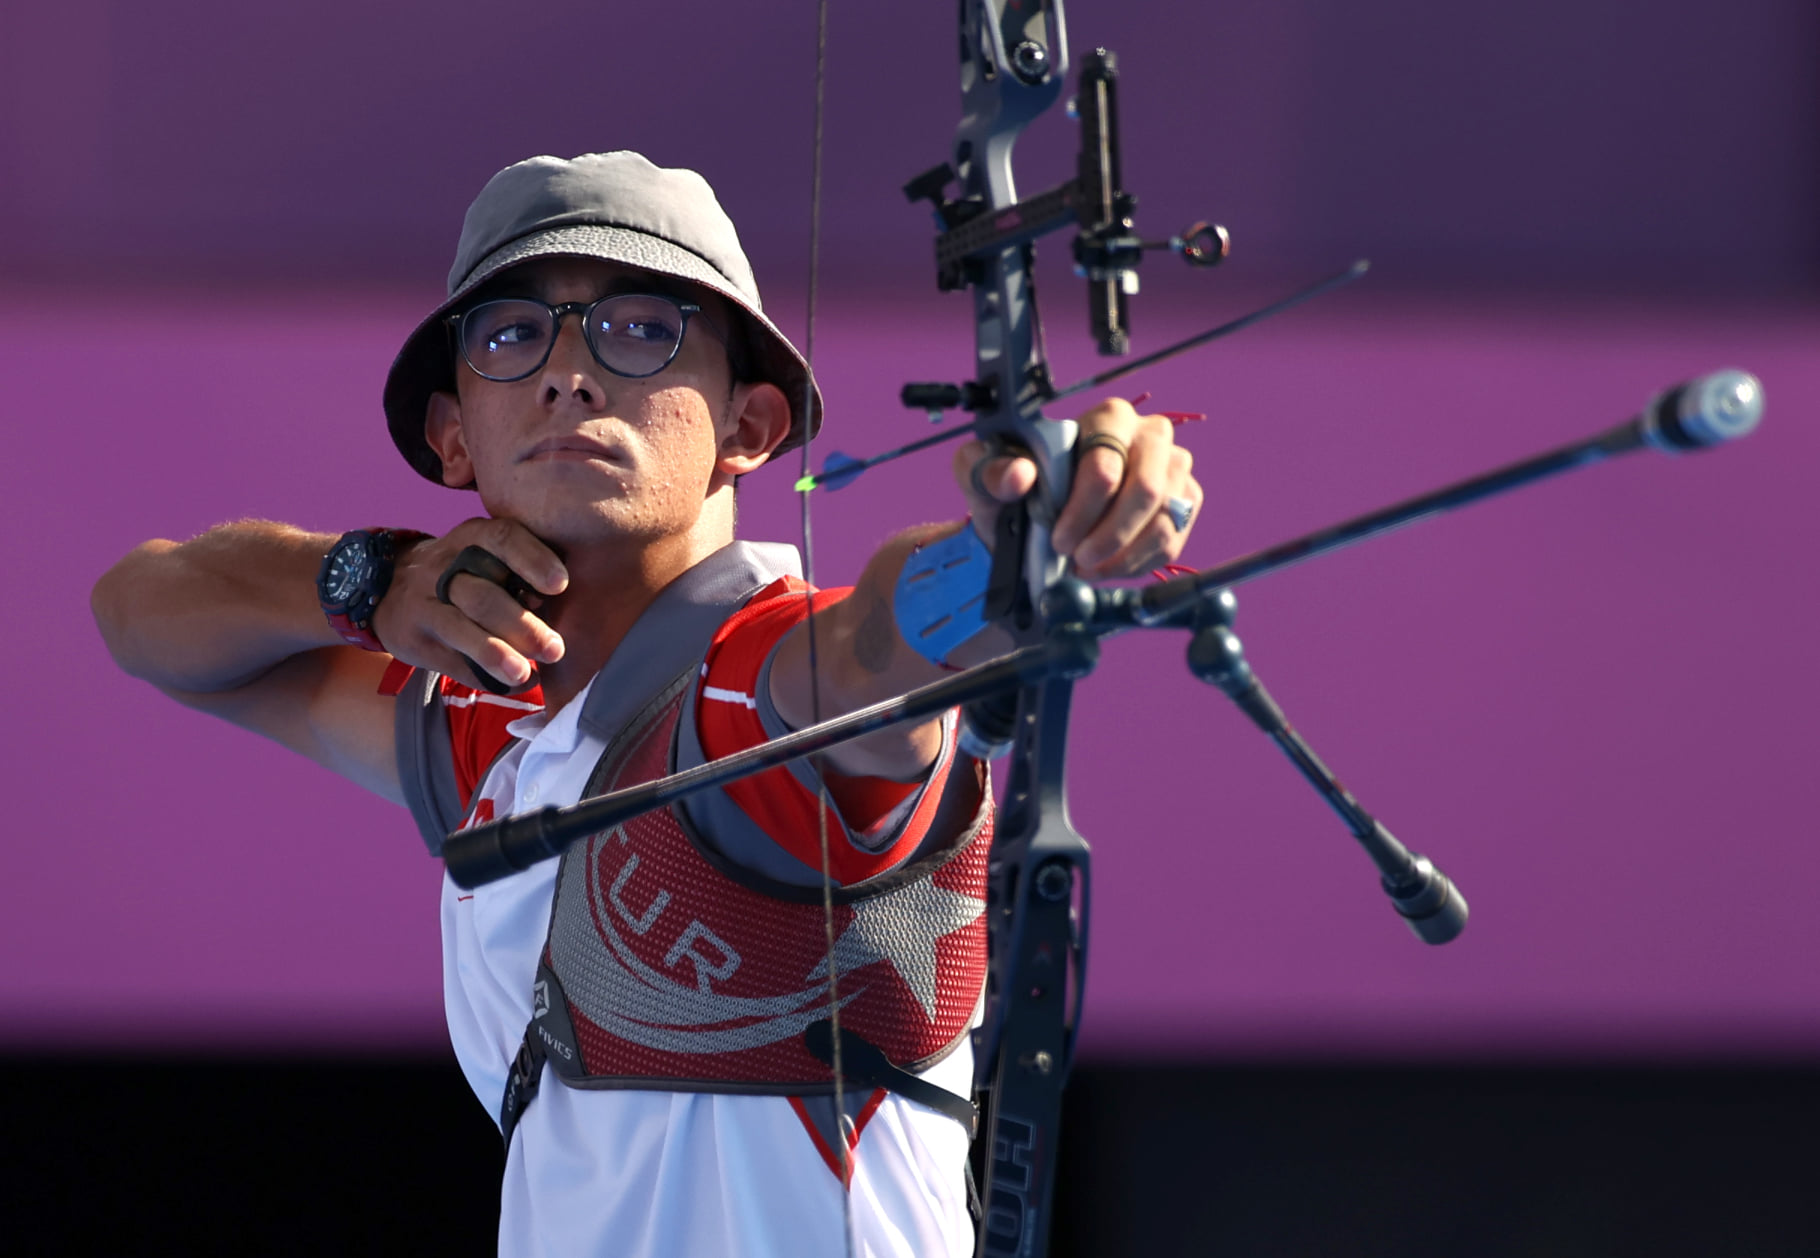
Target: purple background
{"type": "Point", "coordinates": [1591, 702]}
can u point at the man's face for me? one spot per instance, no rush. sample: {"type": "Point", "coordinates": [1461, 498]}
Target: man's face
{"type": "Point", "coordinates": [577, 453]}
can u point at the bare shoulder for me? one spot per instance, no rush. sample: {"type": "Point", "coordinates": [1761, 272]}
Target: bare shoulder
{"type": "Point", "coordinates": [324, 704]}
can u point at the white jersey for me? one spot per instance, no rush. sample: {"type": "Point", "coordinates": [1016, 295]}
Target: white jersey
{"type": "Point", "coordinates": [645, 1174]}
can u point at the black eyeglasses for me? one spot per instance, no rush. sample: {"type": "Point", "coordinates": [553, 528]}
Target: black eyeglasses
{"type": "Point", "coordinates": [630, 334]}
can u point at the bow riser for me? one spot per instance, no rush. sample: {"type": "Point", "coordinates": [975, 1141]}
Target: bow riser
{"type": "Point", "coordinates": [1039, 895]}
{"type": "Point", "coordinates": [1014, 64]}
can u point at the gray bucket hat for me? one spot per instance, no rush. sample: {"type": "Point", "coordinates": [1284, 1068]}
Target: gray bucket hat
{"type": "Point", "coordinates": [614, 206]}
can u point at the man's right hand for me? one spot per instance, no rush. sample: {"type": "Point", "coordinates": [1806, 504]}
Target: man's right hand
{"type": "Point", "coordinates": [481, 624]}
{"type": "Point", "coordinates": [229, 623]}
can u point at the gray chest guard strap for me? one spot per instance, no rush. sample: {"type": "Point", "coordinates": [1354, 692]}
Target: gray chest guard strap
{"type": "Point", "coordinates": [862, 1063]}
{"type": "Point", "coordinates": [426, 762]}
{"type": "Point", "coordinates": [866, 1064]}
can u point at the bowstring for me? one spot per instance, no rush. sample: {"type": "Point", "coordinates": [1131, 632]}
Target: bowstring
{"type": "Point", "coordinates": [815, 707]}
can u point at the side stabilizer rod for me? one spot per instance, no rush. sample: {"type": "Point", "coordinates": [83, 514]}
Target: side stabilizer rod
{"type": "Point", "coordinates": [1424, 897]}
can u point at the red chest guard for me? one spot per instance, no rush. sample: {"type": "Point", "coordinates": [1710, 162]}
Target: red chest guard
{"type": "Point", "coordinates": [663, 970]}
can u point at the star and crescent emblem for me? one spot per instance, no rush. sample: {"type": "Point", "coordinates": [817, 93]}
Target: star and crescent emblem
{"type": "Point", "coordinates": [902, 927]}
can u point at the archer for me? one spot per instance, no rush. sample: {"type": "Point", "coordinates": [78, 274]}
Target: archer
{"type": "Point", "coordinates": [600, 625]}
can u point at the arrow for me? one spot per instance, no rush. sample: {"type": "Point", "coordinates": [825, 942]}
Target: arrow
{"type": "Point", "coordinates": [840, 470]}
{"type": "Point", "coordinates": [1327, 285]}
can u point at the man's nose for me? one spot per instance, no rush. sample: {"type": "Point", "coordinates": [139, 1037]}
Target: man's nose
{"type": "Point", "coordinates": [571, 370]}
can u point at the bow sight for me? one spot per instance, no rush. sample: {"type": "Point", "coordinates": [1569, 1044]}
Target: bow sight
{"type": "Point", "coordinates": [1014, 58]}
{"type": "Point", "coordinates": [1107, 250]}
{"type": "Point", "coordinates": [977, 225]}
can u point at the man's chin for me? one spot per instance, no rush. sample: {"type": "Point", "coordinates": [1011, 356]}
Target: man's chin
{"type": "Point", "coordinates": [593, 525]}
{"type": "Point", "coordinates": [563, 501]}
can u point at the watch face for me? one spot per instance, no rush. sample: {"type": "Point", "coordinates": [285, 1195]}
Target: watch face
{"type": "Point", "coordinates": [348, 567]}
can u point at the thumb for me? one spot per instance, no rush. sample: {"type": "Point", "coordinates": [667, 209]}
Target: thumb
{"type": "Point", "coordinates": [989, 481]}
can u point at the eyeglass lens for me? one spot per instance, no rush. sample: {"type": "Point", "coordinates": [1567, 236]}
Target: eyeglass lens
{"type": "Point", "coordinates": [632, 335]}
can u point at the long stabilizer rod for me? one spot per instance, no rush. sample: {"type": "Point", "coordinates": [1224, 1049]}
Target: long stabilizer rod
{"type": "Point", "coordinates": [1693, 416]}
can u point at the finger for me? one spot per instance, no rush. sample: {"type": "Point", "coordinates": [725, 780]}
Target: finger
{"type": "Point", "coordinates": [1159, 541]}
{"type": "Point", "coordinates": [1008, 477]}
{"type": "Point", "coordinates": [1097, 477]}
{"type": "Point", "coordinates": [469, 643]}
{"type": "Point", "coordinates": [518, 548]}
{"type": "Point", "coordinates": [990, 480]}
{"type": "Point", "coordinates": [1155, 546]}
{"type": "Point", "coordinates": [503, 616]}
{"type": "Point", "coordinates": [1189, 489]}
{"type": "Point", "coordinates": [1140, 496]}
{"type": "Point", "coordinates": [1002, 478]}
{"type": "Point", "coordinates": [1100, 469]}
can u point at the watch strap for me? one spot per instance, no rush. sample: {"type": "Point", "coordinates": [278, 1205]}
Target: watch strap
{"type": "Point", "coordinates": [352, 618]}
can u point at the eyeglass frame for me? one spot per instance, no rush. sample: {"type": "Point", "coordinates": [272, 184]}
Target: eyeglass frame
{"type": "Point", "coordinates": [687, 309]}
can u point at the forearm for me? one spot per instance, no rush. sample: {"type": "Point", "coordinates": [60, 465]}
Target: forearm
{"type": "Point", "coordinates": [862, 658]}
{"type": "Point", "coordinates": [215, 612]}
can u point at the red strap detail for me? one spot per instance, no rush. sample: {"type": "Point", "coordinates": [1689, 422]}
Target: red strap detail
{"type": "Point", "coordinates": [397, 673]}
{"type": "Point", "coordinates": [829, 1157]}
{"type": "Point", "coordinates": [353, 634]}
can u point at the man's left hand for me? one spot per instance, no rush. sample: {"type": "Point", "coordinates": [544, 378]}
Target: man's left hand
{"type": "Point", "coordinates": [1117, 521]}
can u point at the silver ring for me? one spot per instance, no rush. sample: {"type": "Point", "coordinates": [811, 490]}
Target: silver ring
{"type": "Point", "coordinates": [1179, 511]}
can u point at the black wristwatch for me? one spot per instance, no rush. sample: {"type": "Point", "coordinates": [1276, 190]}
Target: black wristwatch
{"type": "Point", "coordinates": [355, 575]}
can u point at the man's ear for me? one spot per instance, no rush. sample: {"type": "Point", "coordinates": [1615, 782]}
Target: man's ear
{"type": "Point", "coordinates": [759, 415]}
{"type": "Point", "coordinates": [442, 429]}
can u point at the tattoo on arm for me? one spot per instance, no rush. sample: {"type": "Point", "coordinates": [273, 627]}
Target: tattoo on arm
{"type": "Point", "coordinates": [875, 642]}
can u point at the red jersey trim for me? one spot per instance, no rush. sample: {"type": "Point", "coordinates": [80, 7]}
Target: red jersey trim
{"type": "Point", "coordinates": [727, 721]}
{"type": "Point", "coordinates": [477, 728]}
{"type": "Point", "coordinates": [477, 722]}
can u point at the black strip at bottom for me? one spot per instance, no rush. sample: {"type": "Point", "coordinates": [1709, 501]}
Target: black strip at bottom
{"type": "Point", "coordinates": [1450, 1162]}
{"type": "Point", "coordinates": [129, 1156]}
